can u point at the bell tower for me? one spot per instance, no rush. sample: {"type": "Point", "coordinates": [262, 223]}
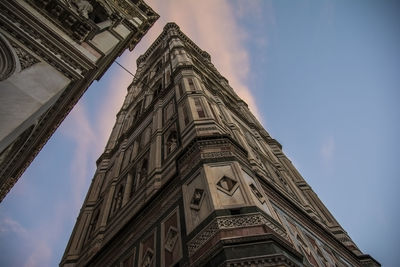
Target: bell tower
{"type": "Point", "coordinates": [189, 177]}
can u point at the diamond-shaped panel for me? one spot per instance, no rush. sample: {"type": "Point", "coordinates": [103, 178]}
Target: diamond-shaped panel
{"type": "Point", "coordinates": [171, 238]}
{"type": "Point", "coordinates": [227, 185]}
{"type": "Point", "coordinates": [148, 258]}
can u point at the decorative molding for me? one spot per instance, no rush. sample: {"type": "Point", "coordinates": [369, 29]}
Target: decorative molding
{"type": "Point", "coordinates": [230, 222]}
{"type": "Point", "coordinates": [272, 260]}
{"type": "Point", "coordinates": [77, 27]}
{"type": "Point", "coordinates": [25, 59]}
{"type": "Point", "coordinates": [227, 185]}
{"type": "Point", "coordinates": [7, 59]}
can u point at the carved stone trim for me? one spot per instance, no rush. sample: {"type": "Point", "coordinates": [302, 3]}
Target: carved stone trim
{"type": "Point", "coordinates": [229, 222]}
{"type": "Point", "coordinates": [273, 260]}
{"type": "Point", "coordinates": [227, 185]}
{"type": "Point", "coordinates": [78, 27]}
{"type": "Point", "coordinates": [25, 59]}
{"type": "Point", "coordinates": [7, 59]}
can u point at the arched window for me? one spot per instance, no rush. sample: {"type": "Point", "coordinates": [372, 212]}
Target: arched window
{"type": "Point", "coordinates": [92, 226]}
{"type": "Point", "coordinates": [172, 142]}
{"type": "Point", "coordinates": [143, 170]}
{"type": "Point", "coordinates": [118, 198]}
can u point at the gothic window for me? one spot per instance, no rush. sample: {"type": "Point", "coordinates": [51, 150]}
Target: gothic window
{"type": "Point", "coordinates": [118, 198]}
{"type": "Point", "coordinates": [158, 67]}
{"type": "Point", "coordinates": [167, 77]}
{"type": "Point", "coordinates": [191, 84]}
{"type": "Point", "coordinates": [127, 157]}
{"type": "Point", "coordinates": [180, 88]}
{"type": "Point", "coordinates": [135, 149]}
{"type": "Point", "coordinates": [143, 170]}
{"type": "Point", "coordinates": [144, 82]}
{"type": "Point", "coordinates": [212, 111]}
{"type": "Point", "coordinates": [139, 142]}
{"type": "Point", "coordinates": [172, 142]}
{"type": "Point", "coordinates": [168, 111]}
{"type": "Point", "coordinates": [146, 136]}
{"type": "Point", "coordinates": [93, 223]}
{"type": "Point", "coordinates": [157, 89]}
{"type": "Point", "coordinates": [185, 114]}
{"type": "Point", "coordinates": [199, 108]}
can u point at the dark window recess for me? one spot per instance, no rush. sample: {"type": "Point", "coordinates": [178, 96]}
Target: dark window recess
{"type": "Point", "coordinates": [157, 89]}
{"type": "Point", "coordinates": [158, 67]}
{"type": "Point", "coordinates": [118, 198]}
{"type": "Point", "coordinates": [180, 88]}
{"type": "Point", "coordinates": [185, 115]}
{"type": "Point", "coordinates": [98, 14]}
{"type": "Point", "coordinates": [191, 84]}
{"type": "Point", "coordinates": [199, 108]}
{"type": "Point", "coordinates": [235, 211]}
{"type": "Point", "coordinates": [167, 78]}
{"type": "Point", "coordinates": [143, 170]}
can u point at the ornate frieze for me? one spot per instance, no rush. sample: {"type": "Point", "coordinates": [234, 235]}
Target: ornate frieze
{"type": "Point", "coordinates": [75, 23]}
{"type": "Point", "coordinates": [230, 222]}
{"type": "Point", "coordinates": [25, 59]}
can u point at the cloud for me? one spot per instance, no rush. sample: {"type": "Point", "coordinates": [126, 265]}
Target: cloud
{"type": "Point", "coordinates": [328, 149]}
{"type": "Point", "coordinates": [40, 255]}
{"type": "Point", "coordinates": [9, 225]}
{"type": "Point", "coordinates": [79, 130]}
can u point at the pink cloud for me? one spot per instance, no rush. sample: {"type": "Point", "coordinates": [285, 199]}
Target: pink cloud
{"type": "Point", "coordinates": [79, 129]}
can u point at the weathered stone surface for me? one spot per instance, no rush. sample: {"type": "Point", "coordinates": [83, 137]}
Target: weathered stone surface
{"type": "Point", "coordinates": [203, 183]}
{"type": "Point", "coordinates": [50, 52]}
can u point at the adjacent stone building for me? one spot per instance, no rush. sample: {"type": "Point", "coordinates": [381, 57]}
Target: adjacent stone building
{"type": "Point", "coordinates": [50, 52]}
{"type": "Point", "coordinates": [189, 177]}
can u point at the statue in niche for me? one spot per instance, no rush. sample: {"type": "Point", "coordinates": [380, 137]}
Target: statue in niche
{"type": "Point", "coordinates": [171, 142]}
{"type": "Point", "coordinates": [83, 7]}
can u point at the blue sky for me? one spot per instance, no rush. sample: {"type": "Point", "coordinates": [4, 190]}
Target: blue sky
{"type": "Point", "coordinates": [322, 76]}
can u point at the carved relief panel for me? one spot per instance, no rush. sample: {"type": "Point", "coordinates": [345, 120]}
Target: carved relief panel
{"type": "Point", "coordinates": [171, 244]}
{"type": "Point", "coordinates": [257, 194]}
{"type": "Point", "coordinates": [170, 141]}
{"type": "Point", "coordinates": [197, 202]}
{"type": "Point", "coordinates": [129, 261]}
{"type": "Point", "coordinates": [225, 185]}
{"type": "Point", "coordinates": [147, 251]}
